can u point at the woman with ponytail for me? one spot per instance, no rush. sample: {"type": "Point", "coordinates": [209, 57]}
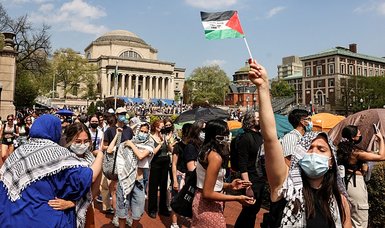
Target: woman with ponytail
{"type": "Point", "coordinates": [353, 159]}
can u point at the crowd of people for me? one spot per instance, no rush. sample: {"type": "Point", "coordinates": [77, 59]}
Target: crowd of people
{"type": "Point", "coordinates": [52, 169]}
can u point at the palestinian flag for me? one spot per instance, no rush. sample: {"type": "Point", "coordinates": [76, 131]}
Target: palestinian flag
{"type": "Point", "coordinates": [222, 25]}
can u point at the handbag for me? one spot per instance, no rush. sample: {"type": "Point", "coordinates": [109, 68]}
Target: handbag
{"type": "Point", "coordinates": [109, 162]}
{"type": "Point", "coordinates": [182, 202]}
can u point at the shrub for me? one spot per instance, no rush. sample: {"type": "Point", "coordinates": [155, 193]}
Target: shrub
{"type": "Point", "coordinates": [376, 189]}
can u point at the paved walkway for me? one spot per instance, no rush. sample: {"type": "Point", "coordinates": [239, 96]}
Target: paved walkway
{"type": "Point", "coordinates": [232, 210]}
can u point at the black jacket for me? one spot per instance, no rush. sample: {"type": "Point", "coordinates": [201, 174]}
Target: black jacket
{"type": "Point", "coordinates": [248, 146]}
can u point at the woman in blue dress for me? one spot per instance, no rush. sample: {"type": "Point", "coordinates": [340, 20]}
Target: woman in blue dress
{"type": "Point", "coordinates": [39, 171]}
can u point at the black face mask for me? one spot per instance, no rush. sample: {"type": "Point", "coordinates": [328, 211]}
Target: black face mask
{"type": "Point", "coordinates": [358, 141]}
{"type": "Point", "coordinates": [94, 125]}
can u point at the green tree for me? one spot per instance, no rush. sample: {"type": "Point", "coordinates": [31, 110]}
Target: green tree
{"type": "Point", "coordinates": [91, 109]}
{"type": "Point", "coordinates": [372, 92]}
{"type": "Point", "coordinates": [73, 73]}
{"type": "Point", "coordinates": [281, 88]}
{"type": "Point", "coordinates": [208, 83]}
{"type": "Point", "coordinates": [29, 89]}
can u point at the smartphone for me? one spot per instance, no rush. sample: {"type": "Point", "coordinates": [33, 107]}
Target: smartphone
{"type": "Point", "coordinates": [376, 130]}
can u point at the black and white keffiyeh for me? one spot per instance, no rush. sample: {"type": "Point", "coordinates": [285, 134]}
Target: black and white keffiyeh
{"type": "Point", "coordinates": [83, 204]}
{"type": "Point", "coordinates": [292, 189]}
{"type": "Point", "coordinates": [33, 161]}
{"type": "Point", "coordinates": [127, 162]}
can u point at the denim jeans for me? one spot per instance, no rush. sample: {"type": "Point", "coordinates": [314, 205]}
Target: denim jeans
{"type": "Point", "coordinates": [134, 201]}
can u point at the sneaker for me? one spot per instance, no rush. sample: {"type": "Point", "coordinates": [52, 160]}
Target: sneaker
{"type": "Point", "coordinates": [174, 225]}
{"type": "Point", "coordinates": [115, 221]}
{"type": "Point", "coordinates": [129, 221]}
{"type": "Point", "coordinates": [109, 211]}
{"type": "Point", "coordinates": [99, 199]}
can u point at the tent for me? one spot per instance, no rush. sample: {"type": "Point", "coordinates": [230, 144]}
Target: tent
{"type": "Point", "coordinates": [282, 125]}
{"type": "Point", "coordinates": [325, 121]}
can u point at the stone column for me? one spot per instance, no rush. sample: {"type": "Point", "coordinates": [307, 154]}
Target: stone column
{"type": "Point", "coordinates": [108, 84]}
{"type": "Point", "coordinates": [136, 85]}
{"type": "Point", "coordinates": [7, 76]}
{"type": "Point", "coordinates": [150, 95]}
{"type": "Point", "coordinates": [144, 86]}
{"type": "Point", "coordinates": [156, 87]}
{"type": "Point", "coordinates": [163, 89]}
{"type": "Point", "coordinates": [123, 85]}
{"type": "Point", "coordinates": [171, 88]}
{"type": "Point", "coordinates": [129, 85]}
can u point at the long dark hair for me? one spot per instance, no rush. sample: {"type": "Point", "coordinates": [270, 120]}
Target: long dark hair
{"type": "Point", "coordinates": [346, 146]}
{"type": "Point", "coordinates": [329, 187]}
{"type": "Point", "coordinates": [214, 128]}
{"type": "Point", "coordinates": [193, 135]}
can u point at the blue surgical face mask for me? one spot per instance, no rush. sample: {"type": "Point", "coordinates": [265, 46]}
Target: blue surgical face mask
{"type": "Point", "coordinates": [314, 165]}
{"type": "Point", "coordinates": [142, 136]}
{"type": "Point", "coordinates": [122, 118]}
{"type": "Point", "coordinates": [309, 127]}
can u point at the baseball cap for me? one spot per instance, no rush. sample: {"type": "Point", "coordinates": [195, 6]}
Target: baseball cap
{"type": "Point", "coordinates": [121, 110]}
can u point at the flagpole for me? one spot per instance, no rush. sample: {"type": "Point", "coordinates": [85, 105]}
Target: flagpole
{"type": "Point", "coordinates": [248, 49]}
{"type": "Point", "coordinates": [116, 84]}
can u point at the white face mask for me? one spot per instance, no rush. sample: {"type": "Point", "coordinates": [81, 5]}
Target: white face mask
{"type": "Point", "coordinates": [79, 148]}
{"type": "Point", "coordinates": [202, 136]}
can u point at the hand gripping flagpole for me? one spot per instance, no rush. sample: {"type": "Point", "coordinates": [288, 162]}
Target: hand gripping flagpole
{"type": "Point", "coordinates": [248, 48]}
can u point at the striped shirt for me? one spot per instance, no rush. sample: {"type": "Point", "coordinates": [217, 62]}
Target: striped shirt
{"type": "Point", "coordinates": [289, 141]}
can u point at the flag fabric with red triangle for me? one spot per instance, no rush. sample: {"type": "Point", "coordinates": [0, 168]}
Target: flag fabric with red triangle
{"type": "Point", "coordinates": [222, 25]}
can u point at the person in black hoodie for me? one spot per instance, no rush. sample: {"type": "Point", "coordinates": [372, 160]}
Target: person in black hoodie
{"type": "Point", "coordinates": [249, 147]}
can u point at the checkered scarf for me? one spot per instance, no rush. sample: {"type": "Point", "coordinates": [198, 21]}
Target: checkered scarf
{"type": "Point", "coordinates": [292, 187]}
{"type": "Point", "coordinates": [83, 204]}
{"type": "Point", "coordinates": [35, 160]}
{"type": "Point", "coordinates": [127, 163]}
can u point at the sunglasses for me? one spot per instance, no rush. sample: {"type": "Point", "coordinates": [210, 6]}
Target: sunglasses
{"type": "Point", "coordinates": [222, 137]}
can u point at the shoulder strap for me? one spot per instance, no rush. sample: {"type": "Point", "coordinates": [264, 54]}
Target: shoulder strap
{"type": "Point", "coordinates": [116, 151]}
{"type": "Point", "coordinates": [96, 137]}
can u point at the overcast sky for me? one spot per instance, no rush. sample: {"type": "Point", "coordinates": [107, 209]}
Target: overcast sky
{"type": "Point", "coordinates": [274, 29]}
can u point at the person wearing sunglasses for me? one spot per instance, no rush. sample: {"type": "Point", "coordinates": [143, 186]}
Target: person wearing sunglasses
{"type": "Point", "coordinates": [213, 159]}
{"type": "Point", "coordinates": [9, 132]}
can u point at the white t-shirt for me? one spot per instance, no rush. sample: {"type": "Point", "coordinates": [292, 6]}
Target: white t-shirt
{"type": "Point", "coordinates": [98, 140]}
{"type": "Point", "coordinates": [145, 162]}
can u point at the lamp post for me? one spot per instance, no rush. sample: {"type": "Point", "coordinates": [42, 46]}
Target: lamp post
{"type": "Point", "coordinates": [362, 104]}
{"type": "Point", "coordinates": [87, 105]}
{"type": "Point", "coordinates": [255, 102]}
{"type": "Point", "coordinates": [311, 107]}
{"type": "Point", "coordinates": [247, 102]}
{"type": "Point", "coordinates": [53, 86]}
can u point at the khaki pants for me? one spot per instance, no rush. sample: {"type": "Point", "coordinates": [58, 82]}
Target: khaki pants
{"type": "Point", "coordinates": [359, 199]}
{"type": "Point", "coordinates": [105, 193]}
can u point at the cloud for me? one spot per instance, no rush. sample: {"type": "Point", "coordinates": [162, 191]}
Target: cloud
{"type": "Point", "coordinates": [74, 15]}
{"type": "Point", "coordinates": [370, 7]}
{"type": "Point", "coordinates": [211, 4]}
{"type": "Point", "coordinates": [275, 11]}
{"type": "Point", "coordinates": [211, 62]}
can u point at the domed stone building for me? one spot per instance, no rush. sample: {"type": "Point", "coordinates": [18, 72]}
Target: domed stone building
{"type": "Point", "coordinates": [141, 76]}
{"type": "Point", "coordinates": [242, 92]}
